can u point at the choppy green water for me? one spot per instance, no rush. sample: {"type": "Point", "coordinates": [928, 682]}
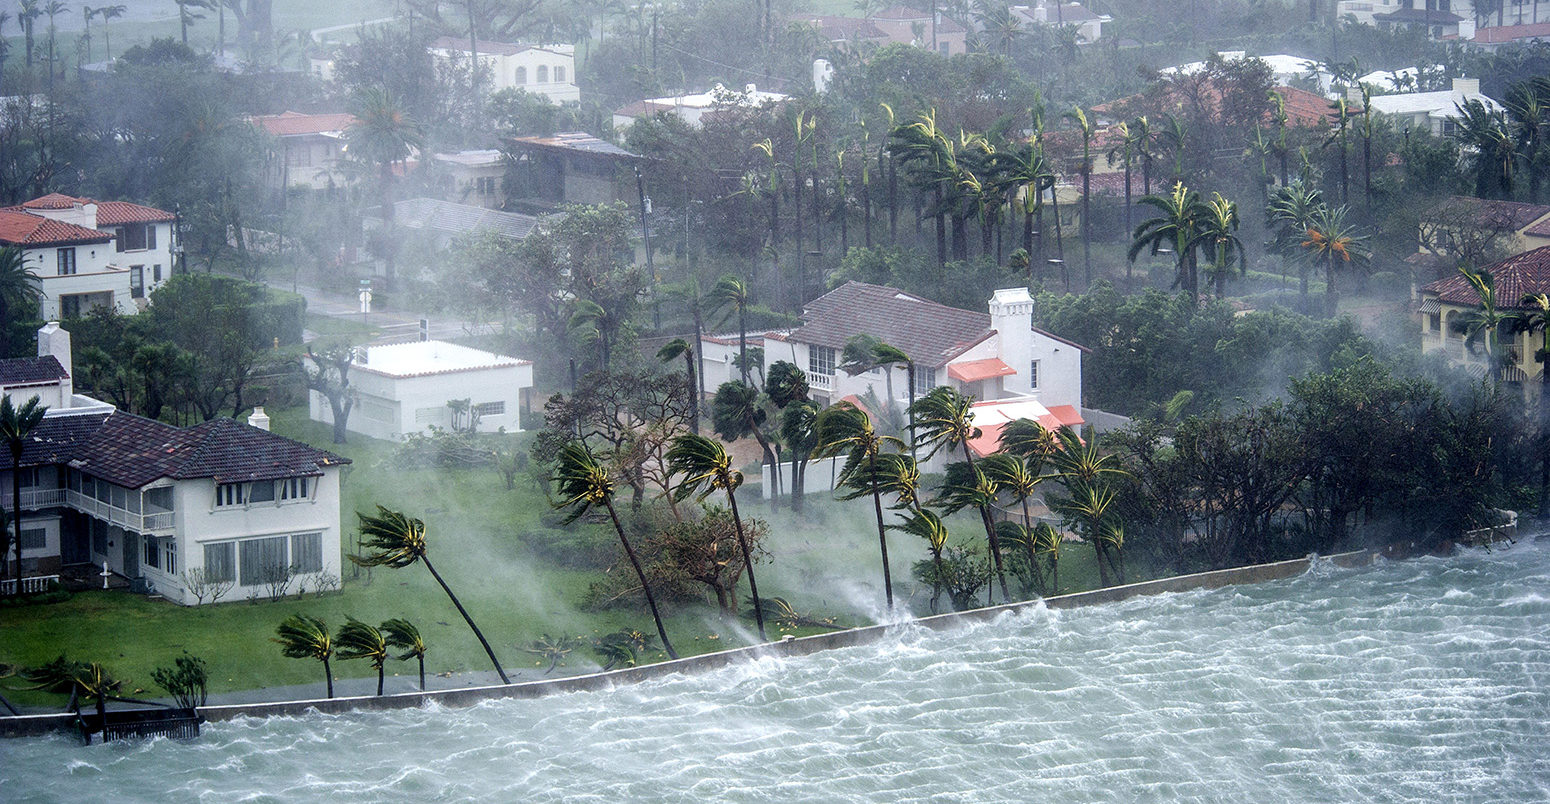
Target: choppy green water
{"type": "Point", "coordinates": [1425, 680]}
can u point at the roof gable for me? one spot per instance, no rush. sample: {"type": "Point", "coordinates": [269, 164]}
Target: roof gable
{"type": "Point", "coordinates": [1513, 278]}
{"type": "Point", "coordinates": [930, 333]}
{"type": "Point", "coordinates": [31, 371]}
{"type": "Point", "coordinates": [26, 229]}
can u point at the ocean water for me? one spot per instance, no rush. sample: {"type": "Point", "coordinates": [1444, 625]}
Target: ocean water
{"type": "Point", "coordinates": [1424, 680]}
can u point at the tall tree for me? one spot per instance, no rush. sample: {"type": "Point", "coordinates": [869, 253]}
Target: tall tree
{"type": "Point", "coordinates": [1086, 473]}
{"type": "Point", "coordinates": [706, 468]}
{"type": "Point", "coordinates": [1483, 326]}
{"type": "Point", "coordinates": [846, 429]}
{"type": "Point", "coordinates": [1536, 318]}
{"type": "Point", "coordinates": [1088, 128]}
{"type": "Point", "coordinates": [357, 640]}
{"type": "Point", "coordinates": [673, 350]}
{"type": "Point", "coordinates": [1488, 145]}
{"type": "Point", "coordinates": [1333, 242]}
{"type": "Point", "coordinates": [739, 410]}
{"type": "Point", "coordinates": [302, 636]}
{"type": "Point", "coordinates": [397, 540]}
{"type": "Point", "coordinates": [20, 290]}
{"type": "Point", "coordinates": [1339, 135]}
{"type": "Point", "coordinates": [16, 426]}
{"type": "Point", "coordinates": [730, 298]}
{"type": "Point", "coordinates": [1174, 228]}
{"type": "Point", "coordinates": [27, 14]}
{"type": "Point", "coordinates": [1218, 237]}
{"type": "Point", "coordinates": [329, 375]}
{"type": "Point", "coordinates": [583, 482]}
{"type": "Point", "coordinates": [384, 135]}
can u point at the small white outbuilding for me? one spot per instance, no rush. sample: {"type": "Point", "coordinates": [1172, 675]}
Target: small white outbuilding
{"type": "Point", "coordinates": [405, 388]}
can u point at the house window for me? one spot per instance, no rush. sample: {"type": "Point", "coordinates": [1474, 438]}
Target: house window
{"type": "Point", "coordinates": [294, 488]}
{"type": "Point", "coordinates": [152, 552]}
{"type": "Point", "coordinates": [70, 306]}
{"type": "Point", "coordinates": [29, 477]}
{"type": "Point", "coordinates": [66, 260]}
{"type": "Point", "coordinates": [221, 562]}
{"type": "Point", "coordinates": [262, 491]}
{"type": "Point", "coordinates": [227, 494]}
{"type": "Point", "coordinates": [543, 73]}
{"type": "Point", "coordinates": [169, 555]}
{"type": "Point", "coordinates": [307, 552]}
{"type": "Point", "coordinates": [925, 380]}
{"type": "Point", "coordinates": [820, 360]}
{"type": "Point", "coordinates": [137, 281]}
{"type": "Point", "coordinates": [521, 77]}
{"type": "Point", "coordinates": [1033, 375]}
{"type": "Point", "coordinates": [490, 409]}
{"type": "Point", "coordinates": [559, 75]}
{"type": "Point", "coordinates": [261, 560]}
{"type": "Point", "coordinates": [156, 273]}
{"type": "Point", "coordinates": [136, 237]}
{"type": "Point", "coordinates": [34, 538]}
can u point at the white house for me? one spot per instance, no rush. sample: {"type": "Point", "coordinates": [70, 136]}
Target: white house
{"type": "Point", "coordinates": [548, 70]}
{"type": "Point", "coordinates": [155, 503]}
{"type": "Point", "coordinates": [1437, 112]}
{"type": "Point", "coordinates": [692, 108]}
{"type": "Point", "coordinates": [476, 177]}
{"type": "Point", "coordinates": [306, 150]}
{"type": "Point", "coordinates": [989, 356]}
{"type": "Point", "coordinates": [91, 254]}
{"type": "Point", "coordinates": [1088, 24]}
{"type": "Point", "coordinates": [405, 388]}
{"type": "Point", "coordinates": [1284, 69]}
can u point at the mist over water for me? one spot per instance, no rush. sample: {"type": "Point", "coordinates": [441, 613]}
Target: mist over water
{"type": "Point", "coordinates": [1425, 680]}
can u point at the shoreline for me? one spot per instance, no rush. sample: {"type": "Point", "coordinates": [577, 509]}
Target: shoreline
{"type": "Point", "coordinates": [43, 724]}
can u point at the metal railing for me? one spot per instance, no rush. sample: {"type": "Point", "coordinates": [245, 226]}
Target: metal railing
{"type": "Point", "coordinates": [30, 586]}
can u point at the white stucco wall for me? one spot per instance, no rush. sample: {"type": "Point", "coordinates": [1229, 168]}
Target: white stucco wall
{"type": "Point", "coordinates": [392, 407]}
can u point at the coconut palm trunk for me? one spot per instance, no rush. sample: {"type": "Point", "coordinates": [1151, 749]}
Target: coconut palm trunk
{"type": "Point", "coordinates": [753, 585]}
{"type": "Point", "coordinates": [882, 532]}
{"type": "Point", "coordinates": [990, 532]}
{"type": "Point", "coordinates": [651, 600]}
{"type": "Point", "coordinates": [458, 604]}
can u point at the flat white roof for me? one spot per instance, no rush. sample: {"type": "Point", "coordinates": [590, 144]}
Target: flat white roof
{"type": "Point", "coordinates": [422, 358]}
{"type": "Point", "coordinates": [477, 158]}
{"type": "Point", "coordinates": [1434, 104]}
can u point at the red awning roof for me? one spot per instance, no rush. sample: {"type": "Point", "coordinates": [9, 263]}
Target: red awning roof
{"type": "Point", "coordinates": [1062, 416]}
{"type": "Point", "coordinates": [975, 370]}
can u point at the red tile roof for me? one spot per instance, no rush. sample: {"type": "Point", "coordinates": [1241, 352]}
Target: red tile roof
{"type": "Point", "coordinates": [109, 213]}
{"type": "Point", "coordinates": [291, 124]}
{"type": "Point", "coordinates": [52, 201]}
{"type": "Point", "coordinates": [930, 333]}
{"type": "Point", "coordinates": [974, 370]}
{"type": "Point", "coordinates": [1511, 33]}
{"type": "Point", "coordinates": [25, 229]}
{"type": "Point", "coordinates": [1514, 278]}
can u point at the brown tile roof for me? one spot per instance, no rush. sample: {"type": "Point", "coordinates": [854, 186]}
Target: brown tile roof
{"type": "Point", "coordinates": [1497, 34]}
{"type": "Point", "coordinates": [930, 333]}
{"type": "Point", "coordinates": [132, 451]}
{"type": "Point", "coordinates": [1489, 214]}
{"type": "Point", "coordinates": [290, 124]}
{"type": "Point", "coordinates": [26, 229]}
{"type": "Point", "coordinates": [1514, 278]}
{"type": "Point", "coordinates": [31, 371]}
{"type": "Point", "coordinates": [109, 213]}
{"type": "Point", "coordinates": [1304, 109]}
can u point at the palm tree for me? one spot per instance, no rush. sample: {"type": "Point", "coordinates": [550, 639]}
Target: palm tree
{"type": "Point", "coordinates": [1488, 144]}
{"type": "Point", "coordinates": [398, 540]}
{"type": "Point", "coordinates": [27, 14]}
{"type": "Point", "coordinates": [1528, 108]}
{"type": "Point", "coordinates": [944, 419]}
{"type": "Point", "coordinates": [1085, 472]}
{"type": "Point", "coordinates": [845, 428]}
{"type": "Point", "coordinates": [357, 640]}
{"type": "Point", "coordinates": [53, 9]}
{"type": "Point", "coordinates": [583, 483]}
{"type": "Point", "coordinates": [1340, 128]}
{"type": "Point", "coordinates": [187, 15]}
{"type": "Point", "coordinates": [706, 468]}
{"type": "Point", "coordinates": [922, 147]}
{"type": "Point", "coordinates": [16, 426]}
{"type": "Point", "coordinates": [771, 189]}
{"type": "Point", "coordinates": [401, 634]}
{"type": "Point", "coordinates": [302, 636]}
{"type": "Point", "coordinates": [1331, 241]}
{"type": "Point", "coordinates": [384, 135]}
{"type": "Point", "coordinates": [1124, 153]}
{"type": "Point", "coordinates": [1026, 174]}
{"type": "Point", "coordinates": [1482, 327]}
{"type": "Point", "coordinates": [673, 350]}
{"type": "Point", "coordinates": [20, 290]}
{"type": "Point", "coordinates": [738, 410]}
{"type": "Point", "coordinates": [1088, 129]}
{"type": "Point", "coordinates": [112, 12]}
{"type": "Point", "coordinates": [1173, 138]}
{"type": "Point", "coordinates": [1176, 226]}
{"type": "Point", "coordinates": [730, 297]}
{"type": "Point", "coordinates": [1294, 207]}
{"type": "Point", "coordinates": [1022, 479]}
{"type": "Point", "coordinates": [928, 525]}
{"type": "Point", "coordinates": [1279, 116]}
{"type": "Point", "coordinates": [87, 12]}
{"type": "Point", "coordinates": [1536, 318]}
{"type": "Point", "coordinates": [1218, 236]}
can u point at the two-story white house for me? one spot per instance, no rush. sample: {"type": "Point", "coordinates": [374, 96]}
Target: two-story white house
{"type": "Point", "coordinates": [548, 70]}
{"type": "Point", "coordinates": [91, 254]}
{"type": "Point", "coordinates": [998, 355]}
{"type": "Point", "coordinates": [306, 149]}
{"type": "Point", "coordinates": [1436, 112]}
{"type": "Point", "coordinates": [166, 507]}
{"type": "Point", "coordinates": [1088, 24]}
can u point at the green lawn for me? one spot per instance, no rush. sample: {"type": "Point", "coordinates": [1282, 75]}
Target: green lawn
{"type": "Point", "coordinates": [825, 562]}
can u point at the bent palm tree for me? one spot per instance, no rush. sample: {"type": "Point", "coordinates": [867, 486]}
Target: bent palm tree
{"type": "Point", "coordinates": [1176, 225]}
{"type": "Point", "coordinates": [944, 418]}
{"type": "Point", "coordinates": [1085, 472]}
{"type": "Point", "coordinates": [672, 350]}
{"type": "Point", "coordinates": [926, 524]}
{"type": "Point", "coordinates": [302, 636]}
{"type": "Point", "coordinates": [730, 297]}
{"type": "Point", "coordinates": [16, 425]}
{"type": "Point", "coordinates": [1482, 326]}
{"type": "Point", "coordinates": [401, 634]}
{"type": "Point", "coordinates": [398, 541]}
{"type": "Point", "coordinates": [583, 482]}
{"type": "Point", "coordinates": [847, 429]}
{"type": "Point", "coordinates": [706, 467]}
{"type": "Point", "coordinates": [357, 640]}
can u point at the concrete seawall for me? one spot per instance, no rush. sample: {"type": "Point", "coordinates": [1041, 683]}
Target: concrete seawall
{"type": "Point", "coordinates": [37, 725]}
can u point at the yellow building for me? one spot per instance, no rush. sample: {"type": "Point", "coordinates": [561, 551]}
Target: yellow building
{"type": "Point", "coordinates": [1444, 301]}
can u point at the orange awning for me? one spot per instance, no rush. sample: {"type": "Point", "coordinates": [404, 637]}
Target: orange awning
{"type": "Point", "coordinates": [975, 370]}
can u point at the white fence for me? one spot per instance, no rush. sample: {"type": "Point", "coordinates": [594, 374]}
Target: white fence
{"type": "Point", "coordinates": [33, 585]}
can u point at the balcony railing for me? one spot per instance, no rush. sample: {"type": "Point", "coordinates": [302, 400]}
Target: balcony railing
{"type": "Point", "coordinates": [148, 522]}
{"type": "Point", "coordinates": [821, 382]}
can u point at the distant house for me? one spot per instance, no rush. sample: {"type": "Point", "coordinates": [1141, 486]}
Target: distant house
{"type": "Point", "coordinates": [1494, 37]}
{"type": "Point", "coordinates": [989, 356]}
{"type": "Point", "coordinates": [472, 177]}
{"type": "Point", "coordinates": [443, 221]}
{"type": "Point", "coordinates": [90, 254]}
{"type": "Point", "coordinates": [1434, 112]}
{"type": "Point", "coordinates": [569, 168]}
{"type": "Point", "coordinates": [547, 70]}
{"type": "Point", "coordinates": [406, 388]}
{"type": "Point", "coordinates": [154, 502]}
{"type": "Point", "coordinates": [1088, 24]}
{"type": "Point", "coordinates": [694, 108]}
{"type": "Point", "coordinates": [1284, 69]}
{"type": "Point", "coordinates": [1461, 226]}
{"type": "Point", "coordinates": [1442, 302]}
{"type": "Point", "coordinates": [1436, 17]}
{"type": "Point", "coordinates": [306, 149]}
{"type": "Point", "coordinates": [845, 30]}
{"type": "Point", "coordinates": [908, 26]}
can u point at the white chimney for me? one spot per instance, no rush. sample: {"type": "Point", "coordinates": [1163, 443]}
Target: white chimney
{"type": "Point", "coordinates": [823, 73]}
{"type": "Point", "coordinates": [1011, 315]}
{"type": "Point", "coordinates": [1467, 86]}
{"type": "Point", "coordinates": [55, 340]}
{"type": "Point", "coordinates": [751, 89]}
{"type": "Point", "coordinates": [258, 418]}
{"type": "Point", "coordinates": [1040, 13]}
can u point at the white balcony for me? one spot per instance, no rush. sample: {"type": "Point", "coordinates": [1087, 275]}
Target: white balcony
{"type": "Point", "coordinates": [820, 382]}
{"type": "Point", "coordinates": [155, 523]}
